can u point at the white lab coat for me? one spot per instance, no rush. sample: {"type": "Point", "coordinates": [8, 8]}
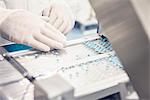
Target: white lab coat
{"type": "Point", "coordinates": [34, 6]}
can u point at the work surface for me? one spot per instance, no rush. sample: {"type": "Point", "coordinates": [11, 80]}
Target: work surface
{"type": "Point", "coordinates": [89, 64]}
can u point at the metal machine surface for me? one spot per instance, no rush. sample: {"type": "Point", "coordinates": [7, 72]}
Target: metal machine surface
{"type": "Point", "coordinates": [127, 25]}
{"type": "Point", "coordinates": [86, 64]}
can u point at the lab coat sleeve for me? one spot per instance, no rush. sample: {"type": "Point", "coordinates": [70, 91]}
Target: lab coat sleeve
{"type": "Point", "coordinates": [58, 1]}
{"type": "Point", "coordinates": [2, 4]}
{"type": "Point", "coordinates": [4, 12]}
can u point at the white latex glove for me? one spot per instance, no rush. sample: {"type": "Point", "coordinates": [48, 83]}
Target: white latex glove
{"type": "Point", "coordinates": [60, 16]}
{"type": "Point", "coordinates": [27, 28]}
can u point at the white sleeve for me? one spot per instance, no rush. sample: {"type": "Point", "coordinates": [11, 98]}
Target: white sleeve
{"type": "Point", "coordinates": [58, 1]}
{"type": "Point", "coordinates": [2, 4]}
{"type": "Point", "coordinates": [4, 12]}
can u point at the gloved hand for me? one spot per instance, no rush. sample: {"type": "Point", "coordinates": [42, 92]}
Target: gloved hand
{"type": "Point", "coordinates": [27, 28]}
{"type": "Point", "coordinates": [60, 16]}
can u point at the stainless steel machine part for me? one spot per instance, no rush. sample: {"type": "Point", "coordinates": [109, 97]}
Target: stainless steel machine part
{"type": "Point", "coordinates": [127, 25]}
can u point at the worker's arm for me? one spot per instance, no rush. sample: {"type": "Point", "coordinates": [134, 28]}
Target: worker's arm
{"type": "Point", "coordinates": [3, 11]}
{"type": "Point", "coordinates": [21, 26]}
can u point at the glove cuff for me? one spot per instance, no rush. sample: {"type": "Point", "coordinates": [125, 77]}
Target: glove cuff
{"type": "Point", "coordinates": [4, 13]}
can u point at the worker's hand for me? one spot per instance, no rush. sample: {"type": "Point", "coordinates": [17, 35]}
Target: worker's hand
{"type": "Point", "coordinates": [60, 16]}
{"type": "Point", "coordinates": [27, 28]}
